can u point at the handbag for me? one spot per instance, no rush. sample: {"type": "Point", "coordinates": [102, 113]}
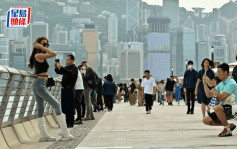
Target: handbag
{"type": "Point", "coordinates": [50, 82]}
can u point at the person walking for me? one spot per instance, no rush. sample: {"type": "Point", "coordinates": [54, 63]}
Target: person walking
{"type": "Point", "coordinates": [170, 90]}
{"type": "Point", "coordinates": [126, 93]}
{"type": "Point", "coordinates": [38, 62]}
{"type": "Point", "coordinates": [207, 65]}
{"type": "Point", "coordinates": [132, 98]}
{"type": "Point", "coordinates": [70, 74]}
{"type": "Point", "coordinates": [109, 91]}
{"type": "Point", "coordinates": [87, 77]}
{"type": "Point", "coordinates": [99, 95]}
{"type": "Point", "coordinates": [189, 84]}
{"type": "Point", "coordinates": [140, 97]}
{"type": "Point", "coordinates": [158, 91]}
{"type": "Point", "coordinates": [177, 91]}
{"type": "Point", "coordinates": [162, 92]}
{"type": "Point", "coordinates": [119, 93]}
{"type": "Point", "coordinates": [79, 89]}
{"type": "Point", "coordinates": [149, 89]}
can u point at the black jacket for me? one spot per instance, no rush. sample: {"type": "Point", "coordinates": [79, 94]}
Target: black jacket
{"type": "Point", "coordinates": [70, 74]}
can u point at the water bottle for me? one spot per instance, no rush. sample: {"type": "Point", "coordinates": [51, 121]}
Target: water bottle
{"type": "Point", "coordinates": [213, 102]}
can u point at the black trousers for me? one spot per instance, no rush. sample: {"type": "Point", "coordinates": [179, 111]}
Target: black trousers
{"type": "Point", "coordinates": [83, 106]}
{"type": "Point", "coordinates": [149, 101]}
{"type": "Point", "coordinates": [99, 101]}
{"type": "Point", "coordinates": [190, 97]}
{"type": "Point", "coordinates": [109, 100]}
{"type": "Point", "coordinates": [67, 103]}
{"type": "Point", "coordinates": [77, 103]}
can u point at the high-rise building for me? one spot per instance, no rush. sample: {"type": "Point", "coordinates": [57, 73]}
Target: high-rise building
{"type": "Point", "coordinates": [221, 51]}
{"type": "Point", "coordinates": [3, 24]}
{"type": "Point", "coordinates": [75, 35]}
{"type": "Point", "coordinates": [63, 37]}
{"type": "Point", "coordinates": [185, 49]}
{"type": "Point", "coordinates": [133, 19]}
{"type": "Point", "coordinates": [15, 34]}
{"type": "Point", "coordinates": [203, 51]}
{"type": "Point", "coordinates": [60, 34]}
{"type": "Point", "coordinates": [158, 24]}
{"type": "Point", "coordinates": [171, 10]}
{"type": "Point", "coordinates": [189, 23]}
{"type": "Point", "coordinates": [159, 55]}
{"type": "Point", "coordinates": [113, 28]}
{"type": "Point", "coordinates": [38, 29]}
{"type": "Point", "coordinates": [201, 32]}
{"type": "Point", "coordinates": [131, 61]}
{"type": "Point", "coordinates": [4, 51]}
{"type": "Point", "coordinates": [90, 40]}
{"type": "Point", "coordinates": [17, 55]}
{"type": "Point", "coordinates": [158, 60]}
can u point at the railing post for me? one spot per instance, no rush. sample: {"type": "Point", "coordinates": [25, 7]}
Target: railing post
{"type": "Point", "coordinates": [16, 99]}
{"type": "Point", "coordinates": [6, 96]}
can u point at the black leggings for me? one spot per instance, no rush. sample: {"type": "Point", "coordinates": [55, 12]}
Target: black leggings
{"type": "Point", "coordinates": [149, 101]}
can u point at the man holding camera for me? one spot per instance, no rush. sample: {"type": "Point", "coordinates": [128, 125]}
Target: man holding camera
{"type": "Point", "coordinates": [70, 74]}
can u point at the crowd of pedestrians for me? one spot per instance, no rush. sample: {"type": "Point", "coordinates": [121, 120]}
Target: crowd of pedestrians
{"type": "Point", "coordinates": [84, 93]}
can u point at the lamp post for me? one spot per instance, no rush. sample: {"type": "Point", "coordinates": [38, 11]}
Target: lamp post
{"type": "Point", "coordinates": [172, 69]}
{"type": "Point", "coordinates": [186, 64]}
{"type": "Point", "coordinates": [212, 53]}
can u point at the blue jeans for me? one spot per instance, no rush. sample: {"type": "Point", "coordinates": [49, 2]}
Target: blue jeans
{"type": "Point", "coordinates": [162, 97]}
{"type": "Point", "coordinates": [42, 94]}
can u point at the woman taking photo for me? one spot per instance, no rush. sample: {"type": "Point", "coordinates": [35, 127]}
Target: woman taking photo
{"type": "Point", "coordinates": [207, 65]}
{"type": "Point", "coordinates": [109, 91]}
{"type": "Point", "coordinates": [39, 64]}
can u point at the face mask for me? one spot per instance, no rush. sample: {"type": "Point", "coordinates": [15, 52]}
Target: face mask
{"type": "Point", "coordinates": [83, 68]}
{"type": "Point", "coordinates": [190, 66]}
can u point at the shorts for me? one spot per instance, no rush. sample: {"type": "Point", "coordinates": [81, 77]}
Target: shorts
{"type": "Point", "coordinates": [228, 114]}
{"type": "Point", "coordinates": [169, 93]}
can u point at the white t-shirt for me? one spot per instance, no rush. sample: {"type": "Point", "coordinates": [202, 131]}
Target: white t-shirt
{"type": "Point", "coordinates": [148, 85]}
{"type": "Point", "coordinates": [79, 84]}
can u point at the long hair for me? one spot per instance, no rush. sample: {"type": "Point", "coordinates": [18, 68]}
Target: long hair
{"type": "Point", "coordinates": [35, 51]}
{"type": "Point", "coordinates": [211, 63]}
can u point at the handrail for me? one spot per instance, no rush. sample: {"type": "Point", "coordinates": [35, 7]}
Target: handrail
{"type": "Point", "coordinates": [17, 103]}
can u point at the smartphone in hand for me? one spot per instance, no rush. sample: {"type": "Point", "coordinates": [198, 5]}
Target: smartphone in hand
{"type": "Point", "coordinates": [57, 61]}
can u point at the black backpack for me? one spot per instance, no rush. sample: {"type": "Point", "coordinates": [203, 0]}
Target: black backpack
{"type": "Point", "coordinates": [94, 82]}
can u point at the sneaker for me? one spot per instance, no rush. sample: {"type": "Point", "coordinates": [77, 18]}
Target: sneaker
{"type": "Point", "coordinates": [92, 117]}
{"type": "Point", "coordinates": [225, 133]}
{"type": "Point", "coordinates": [232, 127]}
{"type": "Point", "coordinates": [78, 122]}
{"type": "Point", "coordinates": [86, 119]}
{"type": "Point", "coordinates": [147, 112]}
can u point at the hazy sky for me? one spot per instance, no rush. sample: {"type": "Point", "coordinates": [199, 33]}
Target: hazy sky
{"type": "Point", "coordinates": [189, 4]}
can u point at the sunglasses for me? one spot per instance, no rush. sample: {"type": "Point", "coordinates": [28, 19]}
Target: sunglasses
{"type": "Point", "coordinates": [45, 44]}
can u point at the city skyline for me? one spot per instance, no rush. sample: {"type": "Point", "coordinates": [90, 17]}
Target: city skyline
{"type": "Point", "coordinates": [188, 4]}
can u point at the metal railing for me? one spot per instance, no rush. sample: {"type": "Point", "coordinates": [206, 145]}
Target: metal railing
{"type": "Point", "coordinates": [17, 103]}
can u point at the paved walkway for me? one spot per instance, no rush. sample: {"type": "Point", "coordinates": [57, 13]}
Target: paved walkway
{"type": "Point", "coordinates": [166, 127]}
